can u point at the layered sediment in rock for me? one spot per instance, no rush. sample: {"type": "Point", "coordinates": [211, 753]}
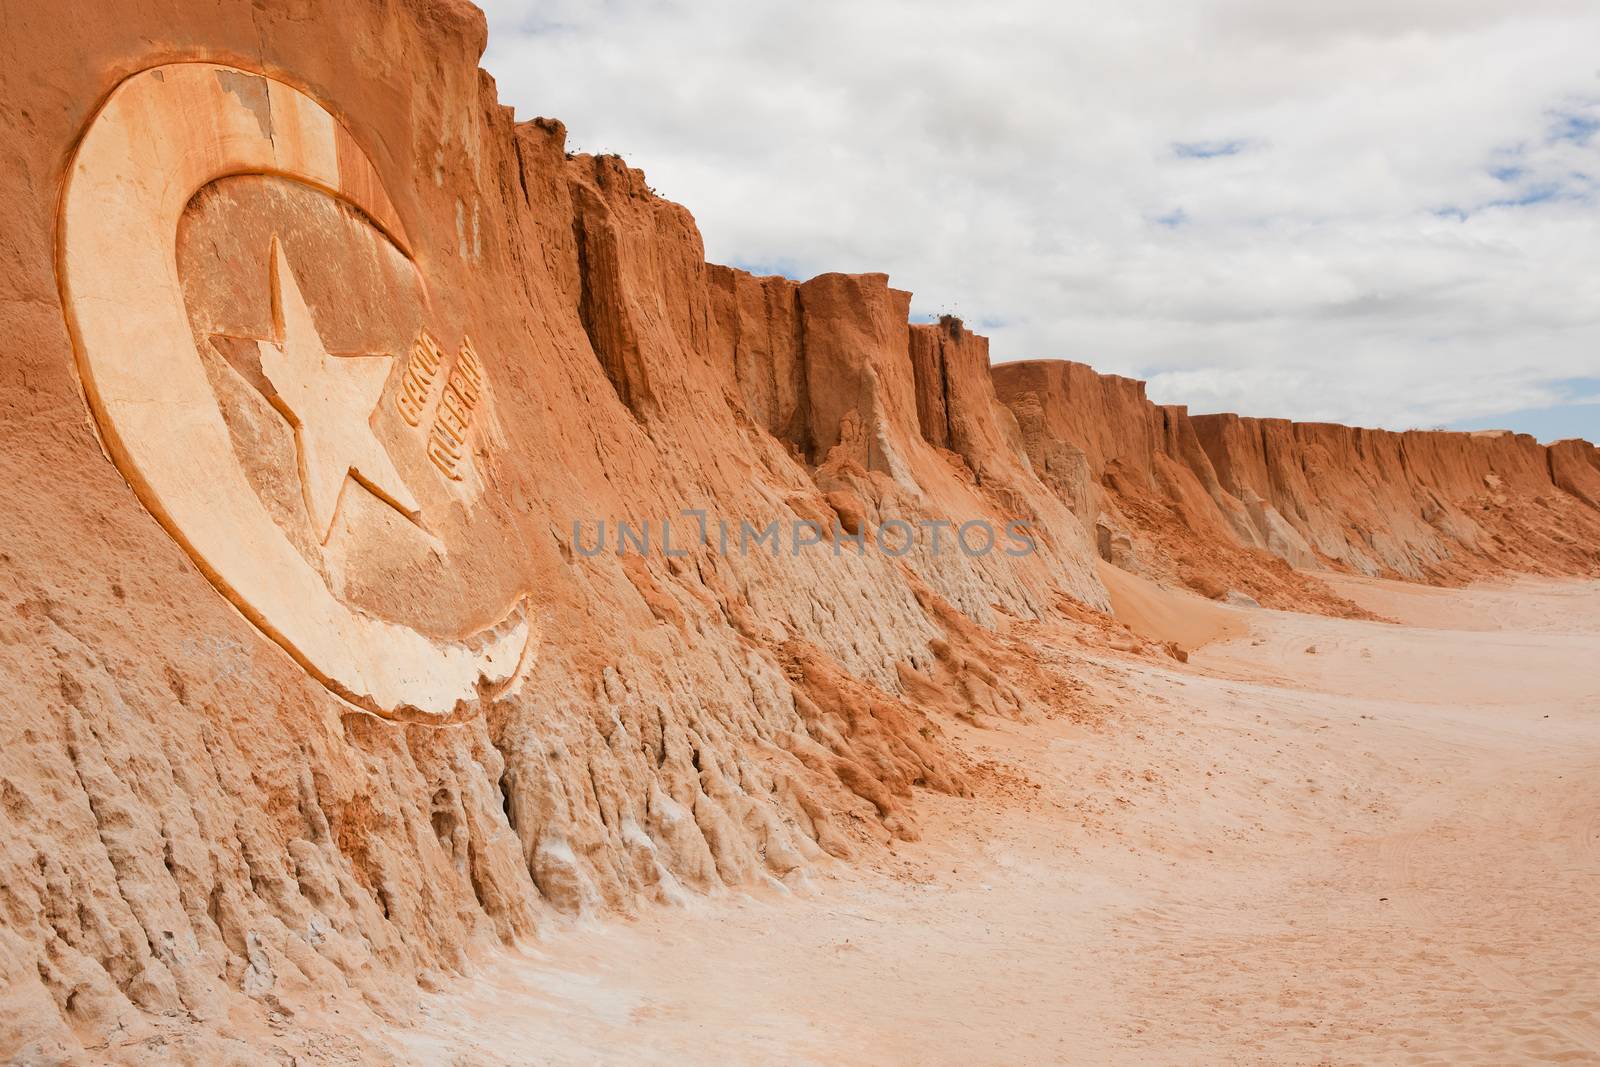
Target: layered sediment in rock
{"type": "Point", "coordinates": [204, 832]}
{"type": "Point", "coordinates": [1419, 504]}
{"type": "Point", "coordinates": [1221, 502]}
{"type": "Point", "coordinates": [1136, 472]}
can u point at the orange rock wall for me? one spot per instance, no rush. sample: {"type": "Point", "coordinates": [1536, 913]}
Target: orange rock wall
{"type": "Point", "coordinates": [198, 835]}
{"type": "Point", "coordinates": [1420, 505]}
{"type": "Point", "coordinates": [1423, 505]}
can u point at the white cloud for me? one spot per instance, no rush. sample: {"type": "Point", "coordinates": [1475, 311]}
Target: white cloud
{"type": "Point", "coordinates": [1374, 211]}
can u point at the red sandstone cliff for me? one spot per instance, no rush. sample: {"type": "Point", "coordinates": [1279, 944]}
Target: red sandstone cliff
{"type": "Point", "coordinates": [1221, 502]}
{"type": "Point", "coordinates": [199, 834]}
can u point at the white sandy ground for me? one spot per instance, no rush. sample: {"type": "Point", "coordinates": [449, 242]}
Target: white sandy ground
{"type": "Point", "coordinates": [1385, 851]}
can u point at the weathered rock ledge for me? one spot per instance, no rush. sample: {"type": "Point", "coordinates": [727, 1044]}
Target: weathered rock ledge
{"type": "Point", "coordinates": [200, 839]}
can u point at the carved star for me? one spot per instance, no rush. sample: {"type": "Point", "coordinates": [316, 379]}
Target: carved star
{"type": "Point", "coordinates": [328, 399]}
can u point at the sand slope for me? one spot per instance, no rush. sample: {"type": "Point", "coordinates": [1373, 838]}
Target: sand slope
{"type": "Point", "coordinates": [1161, 614]}
{"type": "Point", "coordinates": [1242, 863]}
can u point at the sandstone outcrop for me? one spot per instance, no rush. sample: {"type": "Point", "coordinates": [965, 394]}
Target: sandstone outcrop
{"type": "Point", "coordinates": [1220, 502]}
{"type": "Point", "coordinates": [1421, 505]}
{"type": "Point", "coordinates": [1137, 472]}
{"type": "Point", "coordinates": [292, 720]}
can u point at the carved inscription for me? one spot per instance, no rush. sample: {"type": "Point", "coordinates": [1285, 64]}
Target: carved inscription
{"type": "Point", "coordinates": [417, 383]}
{"type": "Point", "coordinates": [160, 138]}
{"type": "Point", "coordinates": [447, 440]}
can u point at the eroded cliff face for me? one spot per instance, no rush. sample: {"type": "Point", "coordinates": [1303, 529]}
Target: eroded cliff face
{"type": "Point", "coordinates": [1419, 505]}
{"type": "Point", "coordinates": [216, 819]}
{"type": "Point", "coordinates": [1220, 502]}
{"type": "Point", "coordinates": [1136, 473]}
{"type": "Point", "coordinates": [202, 828]}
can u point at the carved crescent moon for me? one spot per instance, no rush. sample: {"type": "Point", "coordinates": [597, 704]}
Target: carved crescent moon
{"type": "Point", "coordinates": [161, 136]}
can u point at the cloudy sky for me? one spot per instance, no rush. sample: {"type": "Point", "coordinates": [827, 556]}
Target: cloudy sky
{"type": "Point", "coordinates": [1384, 212]}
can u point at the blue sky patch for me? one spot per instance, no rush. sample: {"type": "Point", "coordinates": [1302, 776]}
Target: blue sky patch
{"type": "Point", "coordinates": [1582, 390]}
{"type": "Point", "coordinates": [1576, 414]}
{"type": "Point", "coordinates": [1579, 129]}
{"type": "Point", "coordinates": [1207, 149]}
{"type": "Point", "coordinates": [782, 267]}
{"type": "Point", "coordinates": [1542, 193]}
{"type": "Point", "coordinates": [1547, 424]}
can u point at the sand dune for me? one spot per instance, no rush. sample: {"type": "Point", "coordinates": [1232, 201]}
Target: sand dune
{"type": "Point", "coordinates": [1384, 851]}
{"type": "Point", "coordinates": [1161, 614]}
